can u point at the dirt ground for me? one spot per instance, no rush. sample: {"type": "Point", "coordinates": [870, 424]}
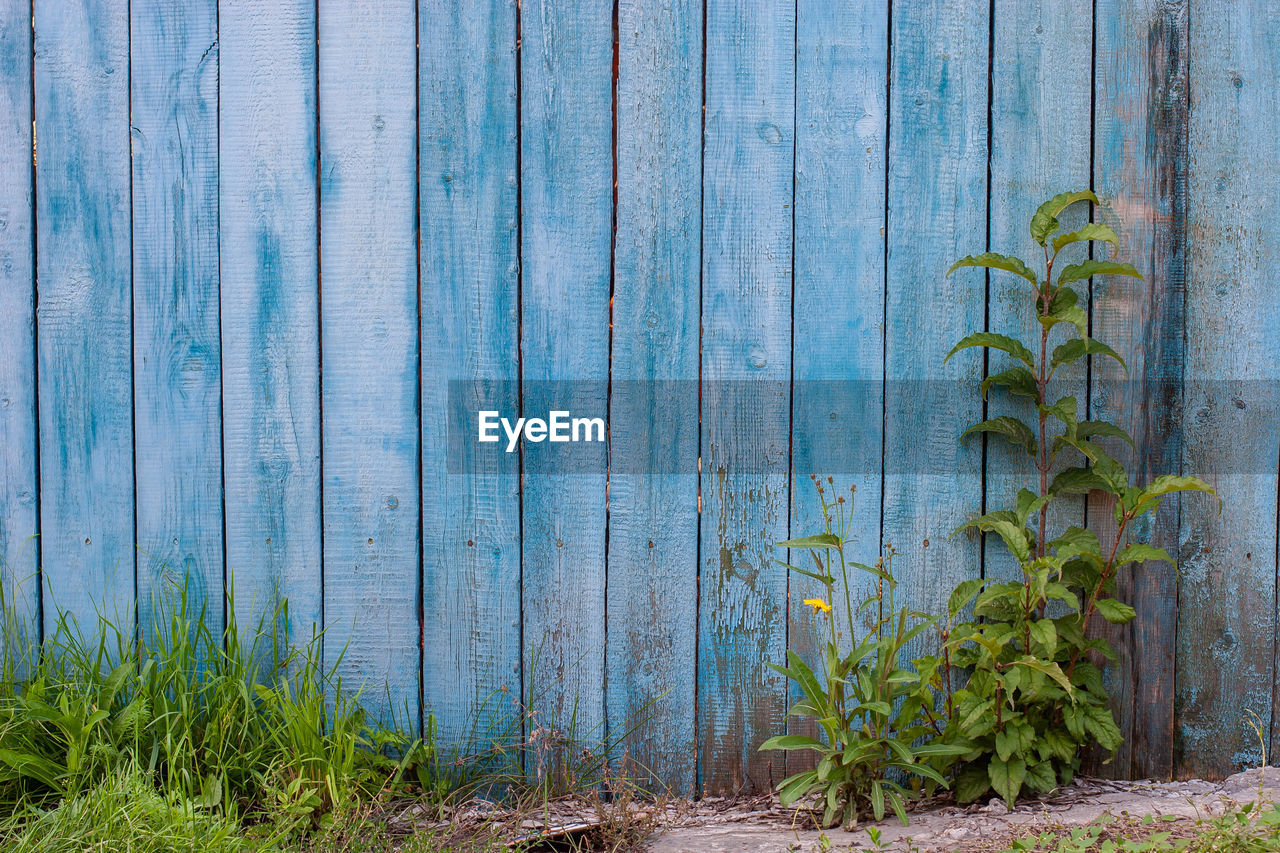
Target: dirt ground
{"type": "Point", "coordinates": [718, 826]}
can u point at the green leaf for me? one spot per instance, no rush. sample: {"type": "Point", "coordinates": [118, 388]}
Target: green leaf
{"type": "Point", "coordinates": [972, 784]}
{"type": "Point", "coordinates": [1006, 777]}
{"type": "Point", "coordinates": [1089, 429]}
{"type": "Point", "coordinates": [794, 787]}
{"type": "Point", "coordinates": [963, 594]}
{"type": "Point", "coordinates": [1044, 638]}
{"type": "Point", "coordinates": [1063, 309]}
{"type": "Point", "coordinates": [1114, 611]}
{"type": "Point", "coordinates": [1138, 552]}
{"type": "Point", "coordinates": [789, 742]}
{"type": "Point", "coordinates": [1167, 484]}
{"type": "Point", "coordinates": [1064, 410]}
{"type": "Point", "coordinates": [1029, 503]}
{"type": "Point", "coordinates": [1099, 723]}
{"type": "Point", "coordinates": [992, 260]}
{"type": "Point", "coordinates": [1076, 348]}
{"type": "Point", "coordinates": [1092, 231]}
{"type": "Point", "coordinates": [818, 540]}
{"type": "Point", "coordinates": [1045, 221]}
{"type": "Point", "coordinates": [1004, 343]}
{"type": "Point", "coordinates": [1040, 777]}
{"type": "Point", "coordinates": [806, 572]}
{"type": "Point", "coordinates": [1087, 269]}
{"type": "Point", "coordinates": [1076, 481]}
{"type": "Point", "coordinates": [1010, 428]}
{"type": "Point", "coordinates": [1017, 539]}
{"type": "Point", "coordinates": [1017, 379]}
{"type": "Point", "coordinates": [1049, 668]}
{"type": "Point", "coordinates": [1076, 540]}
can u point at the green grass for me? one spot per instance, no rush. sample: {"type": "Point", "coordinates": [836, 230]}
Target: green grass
{"type": "Point", "coordinates": [1248, 828]}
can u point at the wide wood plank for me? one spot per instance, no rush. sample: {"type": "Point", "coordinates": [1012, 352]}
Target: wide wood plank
{"type": "Point", "coordinates": [566, 177]}
{"type": "Point", "coordinates": [837, 399]}
{"type": "Point", "coordinates": [1139, 164]}
{"type": "Point", "coordinates": [1226, 617]}
{"type": "Point", "coordinates": [19, 478]}
{"type": "Point", "coordinates": [270, 340]}
{"type": "Point", "coordinates": [937, 213]}
{"type": "Point", "coordinates": [369, 346]}
{"type": "Point", "coordinates": [746, 369]}
{"type": "Point", "coordinates": [84, 321]}
{"type": "Point", "coordinates": [470, 354]}
{"type": "Point", "coordinates": [177, 355]}
{"type": "Point", "coordinates": [653, 463]}
{"type": "Point", "coordinates": [1041, 92]}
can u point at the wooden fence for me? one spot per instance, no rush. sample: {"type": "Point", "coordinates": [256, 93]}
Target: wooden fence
{"type": "Point", "coordinates": [265, 252]}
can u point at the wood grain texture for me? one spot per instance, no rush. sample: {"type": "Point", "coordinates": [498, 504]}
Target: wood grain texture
{"type": "Point", "coordinates": [746, 368]}
{"type": "Point", "coordinates": [470, 286]}
{"type": "Point", "coordinates": [177, 353]}
{"type": "Point", "coordinates": [837, 395]}
{"type": "Point", "coordinates": [653, 474]}
{"type": "Point", "coordinates": [270, 335]}
{"type": "Point", "coordinates": [937, 209]}
{"type": "Point", "coordinates": [1140, 172]}
{"type": "Point", "coordinates": [19, 477]}
{"type": "Point", "coordinates": [1041, 93]}
{"type": "Point", "coordinates": [84, 322]}
{"type": "Point", "coordinates": [1226, 617]}
{"type": "Point", "coordinates": [369, 349]}
{"type": "Point", "coordinates": [566, 184]}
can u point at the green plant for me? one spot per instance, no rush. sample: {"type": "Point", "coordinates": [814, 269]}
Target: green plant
{"type": "Point", "coordinates": [870, 708]}
{"type": "Point", "coordinates": [1033, 696]}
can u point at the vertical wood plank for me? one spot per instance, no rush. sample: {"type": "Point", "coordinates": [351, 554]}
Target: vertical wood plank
{"type": "Point", "coordinates": [746, 371]}
{"type": "Point", "coordinates": [177, 351]}
{"type": "Point", "coordinates": [369, 346]}
{"type": "Point", "coordinates": [470, 349]}
{"type": "Point", "coordinates": [567, 205]}
{"type": "Point", "coordinates": [1227, 620]}
{"type": "Point", "coordinates": [937, 210]}
{"type": "Point", "coordinates": [270, 336]}
{"type": "Point", "coordinates": [837, 398]}
{"type": "Point", "coordinates": [19, 523]}
{"type": "Point", "coordinates": [1041, 90]}
{"type": "Point", "coordinates": [1139, 163]}
{"type": "Point", "coordinates": [84, 319]}
{"type": "Point", "coordinates": [653, 474]}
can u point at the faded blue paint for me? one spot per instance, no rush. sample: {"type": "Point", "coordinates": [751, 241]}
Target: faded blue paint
{"type": "Point", "coordinates": [369, 347]}
{"type": "Point", "coordinates": [177, 359]}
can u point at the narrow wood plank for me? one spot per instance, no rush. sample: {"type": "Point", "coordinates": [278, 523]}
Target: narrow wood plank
{"type": "Point", "coordinates": [369, 346]}
{"type": "Point", "coordinates": [1139, 164]}
{"type": "Point", "coordinates": [746, 370]}
{"type": "Point", "coordinates": [84, 322]}
{"type": "Point", "coordinates": [1041, 91]}
{"type": "Point", "coordinates": [470, 353]}
{"type": "Point", "coordinates": [1227, 619]}
{"type": "Point", "coordinates": [653, 464]}
{"type": "Point", "coordinates": [837, 399]}
{"type": "Point", "coordinates": [270, 339]}
{"type": "Point", "coordinates": [19, 483]}
{"type": "Point", "coordinates": [567, 203]}
{"type": "Point", "coordinates": [177, 355]}
{"type": "Point", "coordinates": [937, 211]}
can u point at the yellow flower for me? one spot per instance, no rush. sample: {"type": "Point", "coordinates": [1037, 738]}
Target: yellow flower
{"type": "Point", "coordinates": [818, 605]}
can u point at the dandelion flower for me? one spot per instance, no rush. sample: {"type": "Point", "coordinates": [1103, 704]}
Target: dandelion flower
{"type": "Point", "coordinates": [818, 605]}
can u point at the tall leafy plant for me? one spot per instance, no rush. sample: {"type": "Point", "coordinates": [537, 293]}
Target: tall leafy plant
{"type": "Point", "coordinates": [1033, 697]}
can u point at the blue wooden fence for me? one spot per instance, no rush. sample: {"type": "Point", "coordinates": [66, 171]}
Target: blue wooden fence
{"type": "Point", "coordinates": [255, 258]}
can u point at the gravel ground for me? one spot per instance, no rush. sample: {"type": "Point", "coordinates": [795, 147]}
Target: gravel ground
{"type": "Point", "coordinates": [721, 826]}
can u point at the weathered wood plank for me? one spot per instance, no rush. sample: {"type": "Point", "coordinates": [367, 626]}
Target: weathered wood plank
{"type": "Point", "coordinates": [177, 383]}
{"type": "Point", "coordinates": [84, 323]}
{"type": "Point", "coordinates": [653, 464]}
{"type": "Point", "coordinates": [19, 477]}
{"type": "Point", "coordinates": [837, 399]}
{"type": "Point", "coordinates": [1139, 165]}
{"type": "Point", "coordinates": [1041, 90]}
{"type": "Point", "coordinates": [369, 347]}
{"type": "Point", "coordinates": [270, 336]}
{"type": "Point", "coordinates": [937, 210]}
{"type": "Point", "coordinates": [470, 350]}
{"type": "Point", "coordinates": [746, 369]}
{"type": "Point", "coordinates": [567, 204]}
{"type": "Point", "coordinates": [1227, 620]}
